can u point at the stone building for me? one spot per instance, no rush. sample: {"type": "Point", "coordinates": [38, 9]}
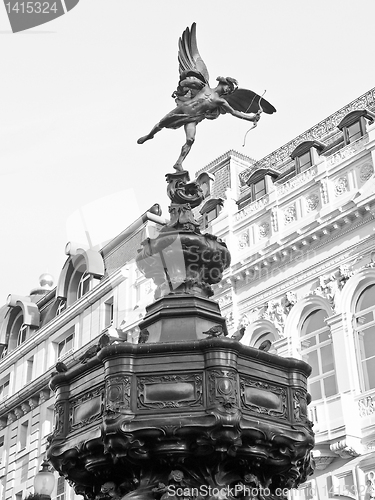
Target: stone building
{"type": "Point", "coordinates": [299, 224]}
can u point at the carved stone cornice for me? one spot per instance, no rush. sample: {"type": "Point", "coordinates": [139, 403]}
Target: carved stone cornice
{"type": "Point", "coordinates": [44, 395]}
{"type": "Point", "coordinates": [348, 448]}
{"type": "Point", "coordinates": [317, 270]}
{"type": "Point", "coordinates": [25, 407]}
{"type": "Point", "coordinates": [322, 458]}
{"type": "Point", "coordinates": [11, 418]}
{"type": "Point", "coordinates": [18, 412]}
{"type": "Point", "coordinates": [278, 158]}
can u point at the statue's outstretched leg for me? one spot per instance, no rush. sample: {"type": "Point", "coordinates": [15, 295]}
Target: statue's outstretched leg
{"type": "Point", "coordinates": [149, 136]}
{"type": "Point", "coordinates": [190, 130]}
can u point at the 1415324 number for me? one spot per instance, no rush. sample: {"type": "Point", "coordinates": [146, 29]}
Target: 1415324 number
{"type": "Point", "coordinates": [32, 7]}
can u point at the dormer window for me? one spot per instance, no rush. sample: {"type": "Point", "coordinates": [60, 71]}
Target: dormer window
{"type": "Point", "coordinates": [81, 272]}
{"type": "Point", "coordinates": [258, 189]}
{"type": "Point", "coordinates": [304, 162]}
{"type": "Point", "coordinates": [354, 132]}
{"type": "Point", "coordinates": [353, 125]}
{"type": "Point", "coordinates": [261, 182]}
{"type": "Point", "coordinates": [306, 154]}
{"type": "Point", "coordinates": [24, 317]}
{"type": "Point", "coordinates": [210, 211]}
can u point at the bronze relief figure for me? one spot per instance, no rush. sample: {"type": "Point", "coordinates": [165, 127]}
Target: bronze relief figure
{"type": "Point", "coordinates": [196, 100]}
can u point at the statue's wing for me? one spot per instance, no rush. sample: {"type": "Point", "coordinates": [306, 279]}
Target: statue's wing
{"type": "Point", "coordinates": [188, 55]}
{"type": "Point", "coordinates": [248, 101]}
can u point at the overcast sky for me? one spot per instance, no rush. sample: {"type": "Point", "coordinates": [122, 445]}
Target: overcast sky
{"type": "Point", "coordinates": [77, 93]}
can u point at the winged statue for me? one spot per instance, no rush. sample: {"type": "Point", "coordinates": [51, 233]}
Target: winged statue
{"type": "Point", "coordinates": [196, 100]}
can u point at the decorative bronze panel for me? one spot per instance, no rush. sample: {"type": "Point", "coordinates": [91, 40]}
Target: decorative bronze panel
{"type": "Point", "coordinates": [60, 410]}
{"type": "Point", "coordinates": [222, 388]}
{"type": "Point", "coordinates": [169, 391]}
{"type": "Point", "coordinates": [299, 406]}
{"type": "Point", "coordinates": [86, 408]}
{"type": "Point", "coordinates": [117, 395]}
{"type": "Point", "coordinates": [264, 398]}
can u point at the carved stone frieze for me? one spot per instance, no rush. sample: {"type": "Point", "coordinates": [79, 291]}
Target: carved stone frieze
{"type": "Point", "coordinates": [25, 407]}
{"type": "Point", "coordinates": [33, 402]}
{"type": "Point", "coordinates": [290, 214]}
{"type": "Point", "coordinates": [44, 395]}
{"type": "Point", "coordinates": [225, 299]}
{"type": "Point", "coordinates": [281, 156]}
{"type": "Point", "coordinates": [274, 312]}
{"type": "Point", "coordinates": [253, 208]}
{"type": "Point", "coordinates": [366, 171]}
{"type": "Point", "coordinates": [322, 458]}
{"type": "Point", "coordinates": [11, 418]}
{"type": "Point", "coordinates": [264, 398]}
{"type": "Point", "coordinates": [117, 393]}
{"type": "Point", "coordinates": [344, 274]}
{"type": "Point", "coordinates": [264, 230]}
{"type": "Point", "coordinates": [169, 391]}
{"type": "Point", "coordinates": [312, 202]}
{"type": "Point", "coordinates": [18, 412]}
{"type": "Point", "coordinates": [244, 240]}
{"type": "Point", "coordinates": [296, 181]}
{"type": "Point", "coordinates": [366, 406]}
{"type": "Point", "coordinates": [288, 300]}
{"type": "Point", "coordinates": [324, 191]}
{"type": "Point", "coordinates": [229, 319]}
{"type": "Point", "coordinates": [347, 152]}
{"type": "Point", "coordinates": [3, 423]}
{"type": "Point", "coordinates": [274, 220]}
{"type": "Point", "coordinates": [331, 285]}
{"type": "Point", "coordinates": [223, 388]}
{"type": "Point", "coordinates": [348, 447]}
{"type": "Point", "coordinates": [328, 288]}
{"type": "Point", "coordinates": [341, 186]}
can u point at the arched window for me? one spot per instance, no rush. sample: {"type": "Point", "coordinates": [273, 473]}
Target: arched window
{"type": "Point", "coordinates": [83, 285]}
{"type": "Point", "coordinates": [317, 351]}
{"type": "Point", "coordinates": [19, 330]}
{"type": "Point", "coordinates": [22, 334]}
{"type": "Point", "coordinates": [365, 329]}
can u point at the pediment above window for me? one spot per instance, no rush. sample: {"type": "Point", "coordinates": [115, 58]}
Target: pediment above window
{"type": "Point", "coordinates": [260, 173]}
{"type": "Point", "coordinates": [306, 146]}
{"type": "Point", "coordinates": [355, 116]}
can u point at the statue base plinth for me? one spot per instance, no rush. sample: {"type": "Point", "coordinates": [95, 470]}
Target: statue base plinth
{"type": "Point", "coordinates": [181, 317]}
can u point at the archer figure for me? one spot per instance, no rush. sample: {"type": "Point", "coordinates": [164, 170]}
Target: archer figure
{"type": "Point", "coordinates": [196, 100]}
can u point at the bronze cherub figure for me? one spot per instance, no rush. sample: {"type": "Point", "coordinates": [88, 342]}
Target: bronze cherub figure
{"type": "Point", "coordinates": [196, 100]}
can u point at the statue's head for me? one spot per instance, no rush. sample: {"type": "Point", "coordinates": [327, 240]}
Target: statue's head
{"type": "Point", "coordinates": [230, 83]}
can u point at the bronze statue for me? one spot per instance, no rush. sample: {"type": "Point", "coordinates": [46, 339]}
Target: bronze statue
{"type": "Point", "coordinates": [196, 100]}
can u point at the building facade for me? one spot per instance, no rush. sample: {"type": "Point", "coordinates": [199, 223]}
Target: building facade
{"type": "Point", "coordinates": [300, 228]}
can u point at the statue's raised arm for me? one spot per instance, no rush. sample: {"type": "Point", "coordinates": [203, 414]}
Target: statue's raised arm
{"type": "Point", "coordinates": [196, 100]}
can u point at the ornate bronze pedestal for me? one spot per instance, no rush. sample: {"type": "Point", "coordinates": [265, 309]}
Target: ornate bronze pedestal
{"type": "Point", "coordinates": [186, 413]}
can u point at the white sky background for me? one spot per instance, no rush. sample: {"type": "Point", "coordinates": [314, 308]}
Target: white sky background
{"type": "Point", "coordinates": [77, 93]}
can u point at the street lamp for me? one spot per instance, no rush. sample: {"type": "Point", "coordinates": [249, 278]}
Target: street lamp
{"type": "Point", "coordinates": [44, 481]}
